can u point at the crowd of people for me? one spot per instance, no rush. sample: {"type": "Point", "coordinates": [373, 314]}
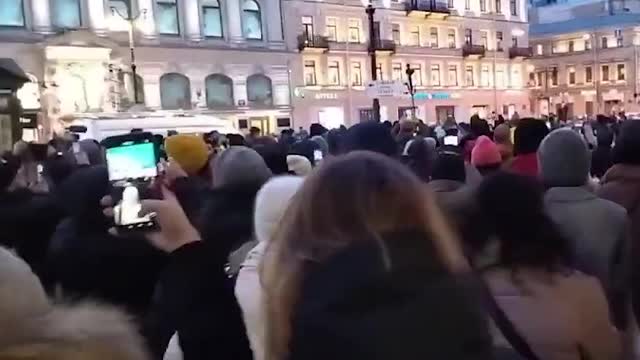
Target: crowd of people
{"type": "Point", "coordinates": [381, 241]}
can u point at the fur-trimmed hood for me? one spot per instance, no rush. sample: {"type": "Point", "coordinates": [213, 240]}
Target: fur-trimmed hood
{"type": "Point", "coordinates": [31, 328]}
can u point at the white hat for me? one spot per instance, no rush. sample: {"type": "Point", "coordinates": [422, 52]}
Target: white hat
{"type": "Point", "coordinates": [271, 202]}
{"type": "Point", "coordinates": [299, 164]}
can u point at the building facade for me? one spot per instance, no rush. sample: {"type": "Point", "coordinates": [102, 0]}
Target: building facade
{"type": "Point", "coordinates": [585, 57]}
{"type": "Point", "coordinates": [468, 56]}
{"type": "Point", "coordinates": [220, 59]}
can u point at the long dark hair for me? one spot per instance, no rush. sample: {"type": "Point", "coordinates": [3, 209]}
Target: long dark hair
{"type": "Point", "coordinates": [512, 211]}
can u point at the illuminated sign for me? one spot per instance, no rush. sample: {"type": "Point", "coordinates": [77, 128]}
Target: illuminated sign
{"type": "Point", "coordinates": [435, 96]}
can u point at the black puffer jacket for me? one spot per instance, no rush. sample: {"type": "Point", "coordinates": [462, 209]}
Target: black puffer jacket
{"type": "Point", "coordinates": [89, 263]}
{"type": "Point", "coordinates": [354, 307]}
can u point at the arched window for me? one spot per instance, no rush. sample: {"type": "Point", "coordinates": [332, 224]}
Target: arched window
{"type": "Point", "coordinates": [12, 13]}
{"type": "Point", "coordinates": [66, 13]}
{"type": "Point", "coordinates": [175, 91]}
{"type": "Point", "coordinates": [251, 20]}
{"type": "Point", "coordinates": [212, 18]}
{"type": "Point", "coordinates": [127, 97]}
{"type": "Point", "coordinates": [259, 90]}
{"type": "Point", "coordinates": [219, 91]}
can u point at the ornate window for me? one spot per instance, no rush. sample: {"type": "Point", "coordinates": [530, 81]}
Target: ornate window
{"type": "Point", "coordinates": [219, 91]}
{"type": "Point", "coordinates": [167, 22]}
{"type": "Point", "coordinates": [251, 20]}
{"type": "Point", "coordinates": [212, 18]}
{"type": "Point", "coordinates": [175, 91]}
{"type": "Point", "coordinates": [259, 91]}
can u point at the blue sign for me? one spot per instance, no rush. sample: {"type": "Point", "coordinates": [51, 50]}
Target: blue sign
{"type": "Point", "coordinates": [432, 96]}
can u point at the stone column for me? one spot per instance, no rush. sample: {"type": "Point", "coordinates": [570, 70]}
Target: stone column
{"type": "Point", "coordinates": [234, 20]}
{"type": "Point", "coordinates": [192, 20]}
{"type": "Point", "coordinates": [41, 16]}
{"type": "Point", "coordinates": [97, 19]}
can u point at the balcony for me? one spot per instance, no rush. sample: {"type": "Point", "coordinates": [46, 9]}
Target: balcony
{"type": "Point", "coordinates": [520, 52]}
{"type": "Point", "coordinates": [387, 47]}
{"type": "Point", "coordinates": [473, 51]}
{"type": "Point", "coordinates": [427, 8]}
{"type": "Point", "coordinates": [313, 43]}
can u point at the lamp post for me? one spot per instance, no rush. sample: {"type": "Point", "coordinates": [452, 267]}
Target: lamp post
{"type": "Point", "coordinates": [412, 90]}
{"type": "Point", "coordinates": [373, 44]}
{"type": "Point", "coordinates": [131, 19]}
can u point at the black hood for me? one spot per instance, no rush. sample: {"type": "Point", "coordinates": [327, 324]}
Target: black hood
{"type": "Point", "coordinates": [79, 195]}
{"type": "Point", "coordinates": [356, 307]}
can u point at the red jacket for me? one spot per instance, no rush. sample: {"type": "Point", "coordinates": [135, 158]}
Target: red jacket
{"type": "Point", "coordinates": [526, 164]}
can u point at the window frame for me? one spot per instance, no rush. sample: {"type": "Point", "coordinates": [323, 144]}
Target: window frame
{"type": "Point", "coordinates": [228, 80]}
{"type": "Point", "coordinates": [499, 41]}
{"type": "Point", "coordinates": [356, 70]}
{"type": "Point", "coordinates": [498, 5]}
{"type": "Point", "coordinates": [244, 12]}
{"type": "Point", "coordinates": [414, 35]}
{"type": "Point", "coordinates": [379, 73]}
{"type": "Point", "coordinates": [435, 68]}
{"type": "Point", "coordinates": [513, 7]}
{"type": "Point", "coordinates": [176, 6]}
{"type": "Point", "coordinates": [604, 42]}
{"type": "Point", "coordinates": [453, 68]}
{"type": "Point", "coordinates": [208, 5]}
{"type": "Point", "coordinates": [333, 66]}
{"type": "Point", "coordinates": [571, 75]}
{"type": "Point", "coordinates": [396, 33]}
{"type": "Point", "coordinates": [23, 17]}
{"type": "Point", "coordinates": [305, 67]}
{"type": "Point", "coordinates": [468, 70]}
{"type": "Point", "coordinates": [483, 6]}
{"type": "Point", "coordinates": [188, 92]}
{"type": "Point", "coordinates": [431, 37]}
{"type": "Point", "coordinates": [451, 35]}
{"type": "Point", "coordinates": [484, 84]}
{"type": "Point", "coordinates": [357, 28]}
{"type": "Point", "coordinates": [398, 68]}
{"type": "Point", "coordinates": [571, 46]}
{"type": "Point", "coordinates": [623, 73]}
{"type": "Point", "coordinates": [417, 74]}
{"type": "Point", "coordinates": [588, 74]}
{"type": "Point", "coordinates": [604, 78]}
{"type": "Point", "coordinates": [81, 20]}
{"type": "Point", "coordinates": [328, 25]}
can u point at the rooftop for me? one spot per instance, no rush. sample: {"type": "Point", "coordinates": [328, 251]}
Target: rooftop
{"type": "Point", "coordinates": [590, 23]}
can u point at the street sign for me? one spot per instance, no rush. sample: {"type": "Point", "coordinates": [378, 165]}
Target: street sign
{"type": "Point", "coordinates": [386, 88]}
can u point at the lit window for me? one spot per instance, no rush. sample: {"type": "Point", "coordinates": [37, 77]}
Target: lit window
{"type": "Point", "coordinates": [332, 29]}
{"type": "Point", "coordinates": [212, 18]}
{"type": "Point", "coordinates": [605, 72]}
{"type": "Point", "coordinates": [435, 75]}
{"type": "Point", "coordinates": [356, 74]}
{"type": "Point", "coordinates": [451, 38]}
{"type": "Point", "coordinates": [251, 20]}
{"type": "Point", "coordinates": [620, 72]}
{"type": "Point", "coordinates": [588, 74]}
{"type": "Point", "coordinates": [484, 76]}
{"type": "Point", "coordinates": [539, 49]}
{"type": "Point", "coordinates": [333, 73]}
{"type": "Point", "coordinates": [416, 78]}
{"type": "Point", "coordinates": [354, 30]}
{"type": "Point", "coordinates": [66, 13]}
{"type": "Point", "coordinates": [395, 33]}
{"type": "Point", "coordinates": [468, 76]}
{"type": "Point", "coordinates": [396, 71]}
{"type": "Point", "coordinates": [572, 75]}
{"type": "Point", "coordinates": [453, 75]}
{"type": "Point", "coordinates": [310, 73]}
{"type": "Point", "coordinates": [434, 37]}
{"type": "Point", "coordinates": [167, 17]}
{"type": "Point", "coordinates": [12, 13]}
{"type": "Point", "coordinates": [414, 36]}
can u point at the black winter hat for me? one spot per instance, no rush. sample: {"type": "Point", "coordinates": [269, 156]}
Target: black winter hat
{"type": "Point", "coordinates": [449, 166]}
{"type": "Point", "coordinates": [370, 136]}
{"type": "Point", "coordinates": [627, 149]}
{"type": "Point", "coordinates": [529, 135]}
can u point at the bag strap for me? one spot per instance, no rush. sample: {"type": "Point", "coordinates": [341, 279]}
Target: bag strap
{"type": "Point", "coordinates": [505, 325]}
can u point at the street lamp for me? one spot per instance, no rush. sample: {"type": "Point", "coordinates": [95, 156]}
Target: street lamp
{"type": "Point", "coordinates": [373, 44]}
{"type": "Point", "coordinates": [412, 90]}
{"type": "Point", "coordinates": [131, 19]}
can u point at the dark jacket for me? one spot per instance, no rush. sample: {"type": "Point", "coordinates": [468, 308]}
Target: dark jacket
{"type": "Point", "coordinates": [601, 161]}
{"type": "Point", "coordinates": [354, 307]}
{"type": "Point", "coordinates": [27, 221]}
{"type": "Point", "coordinates": [226, 220]}
{"type": "Point", "coordinates": [621, 184]}
{"type": "Point", "coordinates": [86, 262]}
{"type": "Point", "coordinates": [195, 298]}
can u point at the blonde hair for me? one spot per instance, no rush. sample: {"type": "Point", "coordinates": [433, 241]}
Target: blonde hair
{"type": "Point", "coordinates": [356, 197]}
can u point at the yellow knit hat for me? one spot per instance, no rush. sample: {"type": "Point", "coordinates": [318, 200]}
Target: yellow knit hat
{"type": "Point", "coordinates": [189, 151]}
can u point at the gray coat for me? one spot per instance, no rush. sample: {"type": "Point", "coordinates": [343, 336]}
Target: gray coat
{"type": "Point", "coordinates": [598, 233]}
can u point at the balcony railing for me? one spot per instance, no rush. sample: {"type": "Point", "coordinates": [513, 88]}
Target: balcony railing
{"type": "Point", "coordinates": [520, 52]}
{"type": "Point", "coordinates": [426, 7]}
{"type": "Point", "coordinates": [473, 50]}
{"type": "Point", "coordinates": [385, 45]}
{"type": "Point", "coordinates": [313, 42]}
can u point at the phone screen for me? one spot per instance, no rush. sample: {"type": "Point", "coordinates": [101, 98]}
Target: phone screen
{"type": "Point", "coordinates": [451, 140]}
{"type": "Point", "coordinates": [317, 155]}
{"type": "Point", "coordinates": [132, 167]}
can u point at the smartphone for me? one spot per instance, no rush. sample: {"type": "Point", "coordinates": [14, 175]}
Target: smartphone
{"type": "Point", "coordinates": [317, 155]}
{"type": "Point", "coordinates": [132, 166]}
{"type": "Point", "coordinates": [451, 140]}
